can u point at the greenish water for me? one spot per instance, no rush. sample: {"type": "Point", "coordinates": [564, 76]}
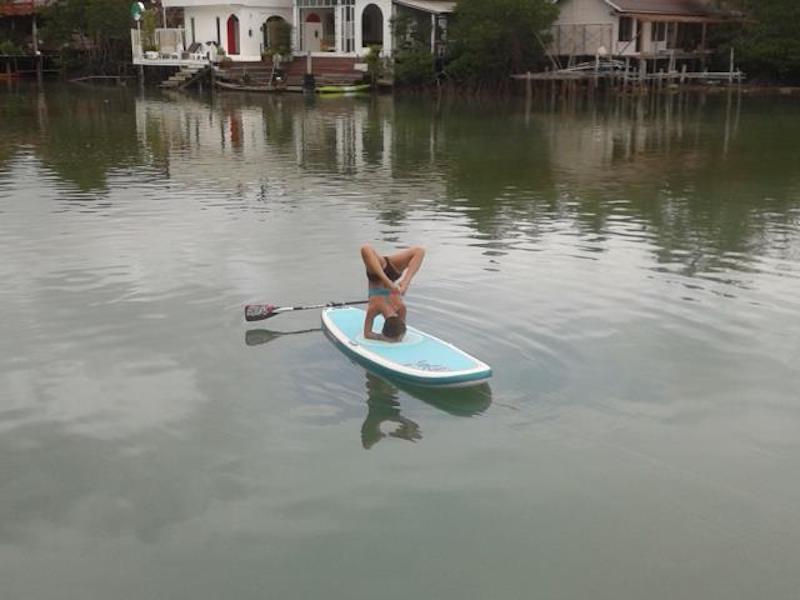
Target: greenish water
{"type": "Point", "coordinates": [630, 269]}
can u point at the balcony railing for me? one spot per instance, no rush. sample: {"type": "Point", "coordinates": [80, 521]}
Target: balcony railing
{"type": "Point", "coordinates": [168, 46]}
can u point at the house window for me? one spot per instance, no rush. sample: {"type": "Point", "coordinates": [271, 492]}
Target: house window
{"type": "Point", "coordinates": [625, 29]}
{"type": "Point", "coordinates": [219, 38]}
{"type": "Point", "coordinates": [658, 31]}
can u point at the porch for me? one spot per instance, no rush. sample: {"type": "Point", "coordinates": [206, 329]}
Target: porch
{"type": "Point", "coordinates": [634, 38]}
{"type": "Point", "coordinates": [637, 29]}
{"type": "Point", "coordinates": [427, 20]}
{"type": "Point", "coordinates": [341, 27]}
{"type": "Point", "coordinates": [167, 48]}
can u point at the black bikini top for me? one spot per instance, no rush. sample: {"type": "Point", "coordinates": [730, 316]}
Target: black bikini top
{"type": "Point", "coordinates": [389, 270]}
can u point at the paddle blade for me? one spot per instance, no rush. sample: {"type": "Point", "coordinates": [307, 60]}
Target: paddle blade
{"type": "Point", "coordinates": [259, 312]}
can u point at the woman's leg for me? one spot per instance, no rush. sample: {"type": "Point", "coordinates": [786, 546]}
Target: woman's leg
{"type": "Point", "coordinates": [408, 260]}
{"type": "Point", "coordinates": [374, 264]}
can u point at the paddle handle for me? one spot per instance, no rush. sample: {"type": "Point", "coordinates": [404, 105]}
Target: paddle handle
{"type": "Point", "coordinates": [259, 312]}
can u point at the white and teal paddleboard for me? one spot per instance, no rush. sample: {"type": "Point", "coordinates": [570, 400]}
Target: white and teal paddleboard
{"type": "Point", "coordinates": [420, 358]}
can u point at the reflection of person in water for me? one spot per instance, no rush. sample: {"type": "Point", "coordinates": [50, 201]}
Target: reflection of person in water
{"type": "Point", "coordinates": [383, 407]}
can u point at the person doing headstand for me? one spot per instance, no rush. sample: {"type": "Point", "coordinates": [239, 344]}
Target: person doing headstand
{"type": "Point", "coordinates": [388, 280]}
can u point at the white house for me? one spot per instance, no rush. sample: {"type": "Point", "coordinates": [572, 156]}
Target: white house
{"type": "Point", "coordinates": [244, 29]}
{"type": "Point", "coordinates": [635, 28]}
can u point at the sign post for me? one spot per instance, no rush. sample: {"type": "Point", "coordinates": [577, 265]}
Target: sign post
{"type": "Point", "coordinates": [137, 10]}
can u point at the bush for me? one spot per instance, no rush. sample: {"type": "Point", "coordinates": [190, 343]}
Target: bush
{"type": "Point", "coordinates": [413, 67]}
{"type": "Point", "coordinates": [413, 62]}
{"type": "Point", "coordinates": [374, 64]}
{"type": "Point", "coordinates": [9, 47]}
{"type": "Point", "coordinates": [767, 45]}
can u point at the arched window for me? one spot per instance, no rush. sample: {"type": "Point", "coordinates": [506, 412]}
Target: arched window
{"type": "Point", "coordinates": [371, 26]}
{"type": "Point", "coordinates": [277, 34]}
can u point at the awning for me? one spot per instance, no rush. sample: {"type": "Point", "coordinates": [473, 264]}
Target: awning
{"type": "Point", "coordinates": [672, 10]}
{"type": "Point", "coordinates": [436, 7]}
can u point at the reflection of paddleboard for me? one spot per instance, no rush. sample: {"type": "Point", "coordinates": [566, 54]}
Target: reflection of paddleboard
{"type": "Point", "coordinates": [420, 358]}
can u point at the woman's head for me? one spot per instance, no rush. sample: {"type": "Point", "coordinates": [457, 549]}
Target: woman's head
{"type": "Point", "coordinates": [394, 328]}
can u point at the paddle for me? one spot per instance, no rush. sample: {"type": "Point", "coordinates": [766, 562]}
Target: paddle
{"type": "Point", "coordinates": [259, 312]}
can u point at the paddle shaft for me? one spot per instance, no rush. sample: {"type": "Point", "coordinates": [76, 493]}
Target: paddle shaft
{"type": "Point", "coordinates": [259, 312]}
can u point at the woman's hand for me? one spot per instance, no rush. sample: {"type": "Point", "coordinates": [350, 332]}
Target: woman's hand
{"type": "Point", "coordinates": [402, 287]}
{"type": "Point", "coordinates": [393, 286]}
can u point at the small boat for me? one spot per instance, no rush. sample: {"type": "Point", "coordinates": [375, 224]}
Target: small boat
{"type": "Point", "coordinates": [241, 87]}
{"type": "Point", "coordinates": [344, 89]}
{"type": "Point", "coordinates": [419, 358]}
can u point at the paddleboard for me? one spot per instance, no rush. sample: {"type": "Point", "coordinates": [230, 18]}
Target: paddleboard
{"type": "Point", "coordinates": [419, 358]}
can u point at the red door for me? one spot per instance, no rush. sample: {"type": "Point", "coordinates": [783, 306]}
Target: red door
{"type": "Point", "coordinates": [233, 35]}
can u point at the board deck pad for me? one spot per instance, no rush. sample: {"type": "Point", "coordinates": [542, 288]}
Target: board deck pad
{"type": "Point", "coordinates": [419, 357]}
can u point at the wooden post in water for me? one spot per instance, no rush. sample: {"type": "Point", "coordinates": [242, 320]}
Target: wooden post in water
{"type": "Point", "coordinates": [596, 67]}
{"type": "Point", "coordinates": [730, 69]}
{"type": "Point", "coordinates": [36, 53]}
{"type": "Point", "coordinates": [642, 73]}
{"type": "Point", "coordinates": [308, 79]}
{"type": "Point", "coordinates": [625, 75]}
{"type": "Point", "coordinates": [528, 97]}
{"type": "Point", "coordinates": [528, 86]}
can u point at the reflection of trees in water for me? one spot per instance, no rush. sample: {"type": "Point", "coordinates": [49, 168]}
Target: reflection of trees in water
{"type": "Point", "coordinates": [278, 123]}
{"type": "Point", "coordinates": [699, 178]}
{"type": "Point", "coordinates": [689, 174]}
{"type": "Point", "coordinates": [79, 133]}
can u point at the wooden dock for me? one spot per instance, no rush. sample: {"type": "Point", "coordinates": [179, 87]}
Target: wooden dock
{"type": "Point", "coordinates": [631, 74]}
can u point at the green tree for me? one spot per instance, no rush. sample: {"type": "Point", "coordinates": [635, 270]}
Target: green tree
{"type": "Point", "coordinates": [413, 62]}
{"type": "Point", "coordinates": [94, 34]}
{"type": "Point", "coordinates": [491, 39]}
{"type": "Point", "coordinates": [767, 43]}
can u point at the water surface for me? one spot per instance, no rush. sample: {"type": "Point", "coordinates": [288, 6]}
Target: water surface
{"type": "Point", "coordinates": [630, 268]}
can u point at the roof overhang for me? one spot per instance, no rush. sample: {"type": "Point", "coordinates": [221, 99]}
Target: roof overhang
{"type": "Point", "coordinates": [17, 8]}
{"type": "Point", "coordinates": [683, 11]}
{"type": "Point", "coordinates": [436, 7]}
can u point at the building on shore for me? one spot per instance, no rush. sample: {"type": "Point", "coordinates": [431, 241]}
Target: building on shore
{"type": "Point", "coordinates": [247, 30]}
{"type": "Point", "coordinates": [636, 29]}
{"type": "Point", "coordinates": [19, 38]}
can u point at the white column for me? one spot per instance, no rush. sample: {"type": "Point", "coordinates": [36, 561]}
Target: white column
{"type": "Point", "coordinates": [338, 23]}
{"type": "Point", "coordinates": [433, 32]}
{"type": "Point", "coordinates": [387, 12]}
{"type": "Point", "coordinates": [298, 28]}
{"type": "Point", "coordinates": [358, 8]}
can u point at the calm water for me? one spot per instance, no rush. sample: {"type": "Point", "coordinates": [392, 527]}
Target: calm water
{"type": "Point", "coordinates": [631, 270]}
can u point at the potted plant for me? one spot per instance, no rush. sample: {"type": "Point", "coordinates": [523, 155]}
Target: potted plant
{"type": "Point", "coordinates": [222, 57]}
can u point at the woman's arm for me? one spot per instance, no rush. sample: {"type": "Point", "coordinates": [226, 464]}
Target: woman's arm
{"type": "Point", "coordinates": [368, 321]}
{"type": "Point", "coordinates": [414, 263]}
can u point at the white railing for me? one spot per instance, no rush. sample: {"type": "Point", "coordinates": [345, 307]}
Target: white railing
{"type": "Point", "coordinates": [168, 44]}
